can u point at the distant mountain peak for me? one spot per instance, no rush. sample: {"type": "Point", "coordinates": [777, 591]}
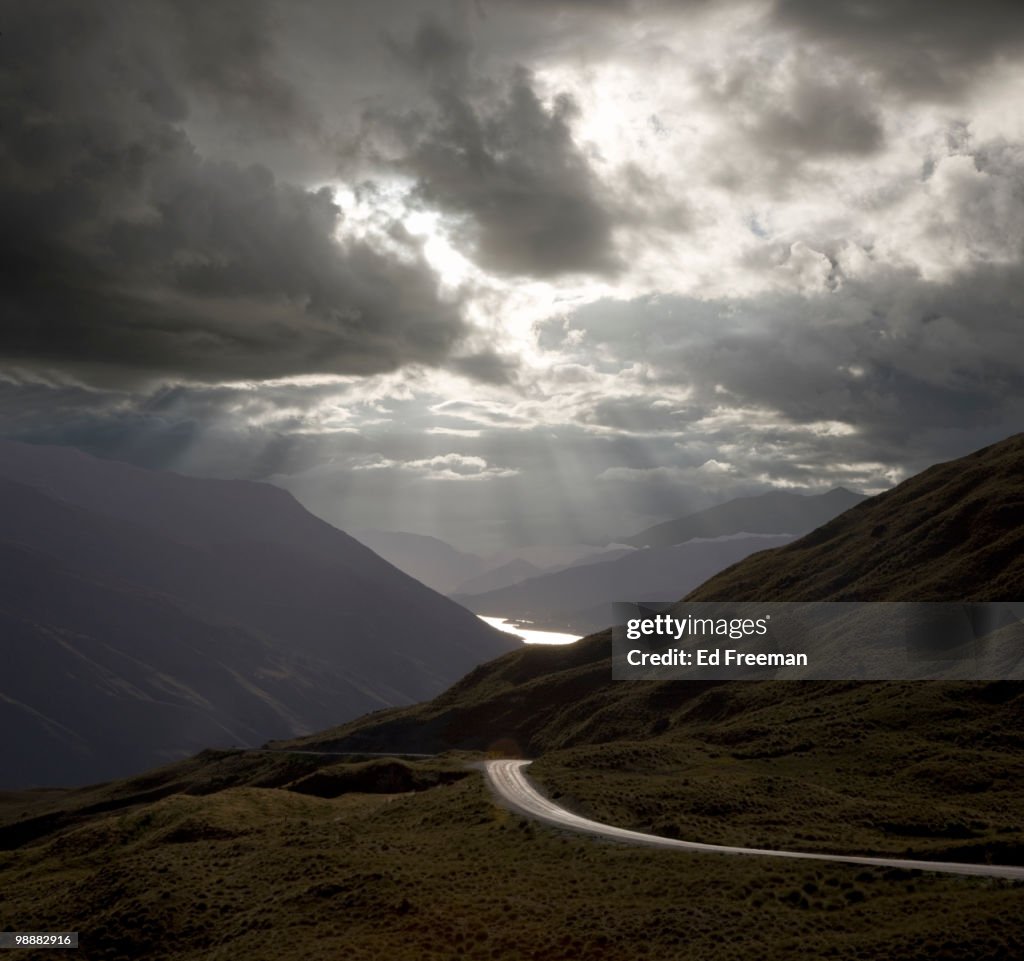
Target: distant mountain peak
{"type": "Point", "coordinates": [772, 512]}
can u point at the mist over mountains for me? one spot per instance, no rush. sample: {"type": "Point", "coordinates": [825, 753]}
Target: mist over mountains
{"type": "Point", "coordinates": [777, 512]}
{"type": "Point", "coordinates": [578, 599]}
{"type": "Point", "coordinates": [665, 560]}
{"type": "Point", "coordinates": [147, 615]}
{"type": "Point", "coordinates": [450, 571]}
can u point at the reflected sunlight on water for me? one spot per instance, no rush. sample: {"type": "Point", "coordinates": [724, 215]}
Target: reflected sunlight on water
{"type": "Point", "coordinates": [529, 636]}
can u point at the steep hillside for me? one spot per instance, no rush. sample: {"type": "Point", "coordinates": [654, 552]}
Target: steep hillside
{"type": "Point", "coordinates": [777, 512]}
{"type": "Point", "coordinates": [147, 615]}
{"type": "Point", "coordinates": [952, 532]}
{"type": "Point", "coordinates": [923, 767]}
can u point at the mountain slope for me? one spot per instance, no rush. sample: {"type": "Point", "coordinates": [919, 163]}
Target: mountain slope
{"type": "Point", "coordinates": [147, 615]}
{"type": "Point", "coordinates": [777, 512]}
{"type": "Point", "coordinates": [924, 768]}
{"type": "Point", "coordinates": [953, 532]}
{"type": "Point", "coordinates": [578, 598]}
{"type": "Point", "coordinates": [958, 527]}
{"type": "Point", "coordinates": [430, 560]}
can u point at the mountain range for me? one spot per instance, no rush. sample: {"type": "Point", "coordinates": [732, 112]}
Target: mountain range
{"type": "Point", "coordinates": [659, 563]}
{"type": "Point", "coordinates": [953, 532]}
{"type": "Point", "coordinates": [578, 599]}
{"type": "Point", "coordinates": [777, 512]}
{"type": "Point", "coordinates": [369, 856]}
{"type": "Point", "coordinates": [450, 571]}
{"type": "Point", "coordinates": [145, 615]}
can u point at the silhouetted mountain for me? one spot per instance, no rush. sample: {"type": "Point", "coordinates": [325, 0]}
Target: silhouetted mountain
{"type": "Point", "coordinates": [777, 512]}
{"type": "Point", "coordinates": [430, 560]}
{"type": "Point", "coordinates": [147, 615]}
{"type": "Point", "coordinates": [578, 598]}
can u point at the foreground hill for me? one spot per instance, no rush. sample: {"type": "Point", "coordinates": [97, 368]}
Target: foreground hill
{"type": "Point", "coordinates": [145, 615]}
{"type": "Point", "coordinates": [777, 512]}
{"type": "Point", "coordinates": [231, 857]}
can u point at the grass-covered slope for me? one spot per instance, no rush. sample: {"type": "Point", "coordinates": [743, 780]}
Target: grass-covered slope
{"type": "Point", "coordinates": [952, 532]}
{"type": "Point", "coordinates": [956, 531]}
{"type": "Point", "coordinates": [269, 874]}
{"type": "Point", "coordinates": [927, 767]}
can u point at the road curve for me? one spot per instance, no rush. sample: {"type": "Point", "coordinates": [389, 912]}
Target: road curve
{"type": "Point", "coordinates": [514, 789]}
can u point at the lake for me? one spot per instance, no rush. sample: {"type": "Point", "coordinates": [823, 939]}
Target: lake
{"type": "Point", "coordinates": [529, 636]}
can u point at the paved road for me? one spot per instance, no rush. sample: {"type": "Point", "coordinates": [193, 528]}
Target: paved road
{"type": "Point", "coordinates": [514, 789]}
{"type": "Point", "coordinates": [284, 750]}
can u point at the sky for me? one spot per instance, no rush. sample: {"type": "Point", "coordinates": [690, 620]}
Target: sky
{"type": "Point", "coordinates": [514, 273]}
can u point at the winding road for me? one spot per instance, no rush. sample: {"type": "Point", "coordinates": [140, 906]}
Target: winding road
{"type": "Point", "coordinates": [514, 790]}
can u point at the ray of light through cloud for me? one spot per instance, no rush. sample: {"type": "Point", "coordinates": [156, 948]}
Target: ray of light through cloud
{"type": "Point", "coordinates": [508, 274]}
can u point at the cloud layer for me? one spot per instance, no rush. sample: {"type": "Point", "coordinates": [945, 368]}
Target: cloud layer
{"type": "Point", "coordinates": [508, 272]}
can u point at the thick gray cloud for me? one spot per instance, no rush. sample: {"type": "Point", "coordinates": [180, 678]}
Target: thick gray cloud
{"type": "Point", "coordinates": [925, 48]}
{"type": "Point", "coordinates": [506, 162]}
{"type": "Point", "coordinates": [816, 116]}
{"type": "Point", "coordinates": [896, 371]}
{"type": "Point", "coordinates": [128, 255]}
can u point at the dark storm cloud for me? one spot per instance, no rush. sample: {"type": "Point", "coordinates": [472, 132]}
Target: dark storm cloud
{"type": "Point", "coordinates": [789, 112]}
{"type": "Point", "coordinates": [910, 368]}
{"type": "Point", "coordinates": [927, 48]}
{"type": "Point", "coordinates": [642, 415]}
{"type": "Point", "coordinates": [507, 163]}
{"type": "Point", "coordinates": [208, 430]}
{"type": "Point", "coordinates": [486, 366]}
{"type": "Point", "coordinates": [229, 52]}
{"type": "Point", "coordinates": [820, 117]}
{"type": "Point", "coordinates": [127, 254]}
